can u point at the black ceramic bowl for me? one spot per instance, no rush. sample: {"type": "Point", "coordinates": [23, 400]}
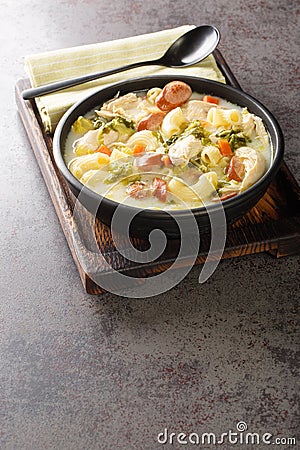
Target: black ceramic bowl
{"type": "Point", "coordinates": [147, 220]}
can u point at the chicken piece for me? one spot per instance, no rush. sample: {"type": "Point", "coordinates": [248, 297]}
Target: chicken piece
{"type": "Point", "coordinates": [252, 123]}
{"type": "Point", "coordinates": [247, 123]}
{"type": "Point", "coordinates": [125, 101]}
{"type": "Point", "coordinates": [196, 110]}
{"type": "Point", "coordinates": [184, 149]}
{"type": "Point", "coordinates": [110, 137]}
{"type": "Point", "coordinates": [254, 165]}
{"type": "Point", "coordinates": [87, 143]}
{"type": "Point", "coordinates": [129, 106]}
{"type": "Point", "coordinates": [190, 175]}
{"type": "Point", "coordinates": [261, 131]}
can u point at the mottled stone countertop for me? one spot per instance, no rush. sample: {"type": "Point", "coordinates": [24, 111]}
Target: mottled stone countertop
{"type": "Point", "coordinates": [81, 372]}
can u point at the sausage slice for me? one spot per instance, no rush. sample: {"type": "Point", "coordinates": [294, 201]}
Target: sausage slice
{"type": "Point", "coordinates": [151, 122]}
{"type": "Point", "coordinates": [137, 190]}
{"type": "Point", "coordinates": [173, 94]}
{"type": "Point", "coordinates": [148, 160]}
{"type": "Point", "coordinates": [236, 169]}
{"type": "Point", "coordinates": [159, 189]}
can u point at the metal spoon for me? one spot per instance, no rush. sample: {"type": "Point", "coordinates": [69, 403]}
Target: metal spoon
{"type": "Point", "coordinates": [188, 49]}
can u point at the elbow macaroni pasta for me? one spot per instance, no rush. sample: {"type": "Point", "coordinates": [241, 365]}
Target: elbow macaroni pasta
{"type": "Point", "coordinates": [207, 185]}
{"type": "Point", "coordinates": [233, 117]}
{"type": "Point", "coordinates": [144, 137]}
{"type": "Point", "coordinates": [78, 166]}
{"type": "Point", "coordinates": [211, 155]}
{"type": "Point", "coordinates": [224, 118]}
{"type": "Point", "coordinates": [117, 154]}
{"type": "Point", "coordinates": [173, 122]}
{"type": "Point", "coordinates": [182, 191]}
{"type": "Point", "coordinates": [152, 94]}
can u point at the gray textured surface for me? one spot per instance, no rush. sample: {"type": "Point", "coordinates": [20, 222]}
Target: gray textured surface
{"type": "Point", "coordinates": [79, 372]}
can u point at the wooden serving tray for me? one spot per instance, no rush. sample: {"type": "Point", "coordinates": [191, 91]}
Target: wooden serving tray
{"type": "Point", "coordinates": [271, 226]}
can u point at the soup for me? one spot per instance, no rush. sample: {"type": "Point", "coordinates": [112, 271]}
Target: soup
{"type": "Point", "coordinates": [168, 148]}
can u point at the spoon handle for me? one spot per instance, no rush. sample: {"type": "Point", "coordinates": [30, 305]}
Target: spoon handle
{"type": "Point", "coordinates": [54, 87]}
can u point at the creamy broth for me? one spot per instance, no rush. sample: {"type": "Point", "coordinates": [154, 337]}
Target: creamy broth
{"type": "Point", "coordinates": [142, 150]}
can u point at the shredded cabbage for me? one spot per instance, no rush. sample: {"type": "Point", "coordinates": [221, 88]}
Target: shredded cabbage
{"type": "Point", "coordinates": [125, 128]}
{"type": "Point", "coordinates": [82, 125]}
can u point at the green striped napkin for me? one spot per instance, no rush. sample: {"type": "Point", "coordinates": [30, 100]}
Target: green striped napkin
{"type": "Point", "coordinates": [68, 63]}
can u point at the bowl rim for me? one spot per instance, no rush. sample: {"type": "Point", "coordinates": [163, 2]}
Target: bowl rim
{"type": "Point", "coordinates": [233, 202]}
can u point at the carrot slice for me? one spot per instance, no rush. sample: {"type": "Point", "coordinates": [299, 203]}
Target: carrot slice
{"type": "Point", "coordinates": [204, 123]}
{"type": "Point", "coordinates": [138, 148]}
{"type": "Point", "coordinates": [104, 149]}
{"type": "Point", "coordinates": [224, 147]}
{"type": "Point", "coordinates": [210, 99]}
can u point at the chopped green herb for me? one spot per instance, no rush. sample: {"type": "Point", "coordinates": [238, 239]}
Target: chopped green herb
{"type": "Point", "coordinates": [158, 136]}
{"type": "Point", "coordinates": [196, 129]}
{"type": "Point", "coordinates": [206, 141]}
{"type": "Point", "coordinates": [172, 139]}
{"type": "Point", "coordinates": [193, 129]}
{"type": "Point", "coordinates": [118, 169]}
{"type": "Point", "coordinates": [235, 138]}
{"type": "Point", "coordinates": [131, 179]}
{"type": "Point", "coordinates": [99, 121]}
{"type": "Point", "coordinates": [120, 122]}
{"type": "Point", "coordinates": [123, 126]}
{"type": "Point", "coordinates": [199, 164]}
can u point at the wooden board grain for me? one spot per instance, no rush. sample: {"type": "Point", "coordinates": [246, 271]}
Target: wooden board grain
{"type": "Point", "coordinates": [271, 226]}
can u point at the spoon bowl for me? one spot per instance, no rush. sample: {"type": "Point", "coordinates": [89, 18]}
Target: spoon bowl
{"type": "Point", "coordinates": [188, 49]}
{"type": "Point", "coordinates": [192, 47]}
